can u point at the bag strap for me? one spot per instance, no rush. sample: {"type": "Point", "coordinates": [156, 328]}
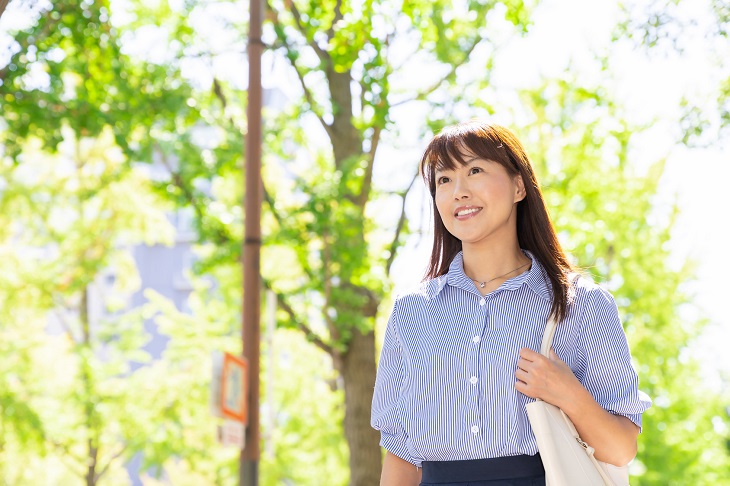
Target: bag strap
{"type": "Point", "coordinates": [547, 337]}
{"type": "Point", "coordinates": [547, 341]}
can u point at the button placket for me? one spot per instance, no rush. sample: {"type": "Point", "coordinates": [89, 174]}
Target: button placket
{"type": "Point", "coordinates": [474, 419]}
{"type": "Point", "coordinates": [471, 372]}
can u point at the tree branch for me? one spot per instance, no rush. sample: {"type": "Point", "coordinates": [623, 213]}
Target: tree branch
{"type": "Point", "coordinates": [280, 221]}
{"type": "Point", "coordinates": [399, 227]}
{"type": "Point", "coordinates": [218, 92]}
{"type": "Point", "coordinates": [109, 463]}
{"type": "Point", "coordinates": [270, 202]}
{"type": "Point", "coordinates": [291, 55]}
{"type": "Point", "coordinates": [64, 323]}
{"type": "Point", "coordinates": [368, 179]}
{"type": "Point", "coordinates": [177, 180]}
{"type": "Point", "coordinates": [423, 94]}
{"type": "Point", "coordinates": [312, 336]}
{"type": "Point", "coordinates": [67, 453]}
{"type": "Point", "coordinates": [330, 325]}
{"type": "Point", "coordinates": [337, 18]}
{"type": "Point", "coordinates": [323, 55]}
{"type": "Point", "coordinates": [220, 237]}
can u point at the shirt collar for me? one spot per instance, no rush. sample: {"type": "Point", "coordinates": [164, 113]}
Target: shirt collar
{"type": "Point", "coordinates": [536, 279]}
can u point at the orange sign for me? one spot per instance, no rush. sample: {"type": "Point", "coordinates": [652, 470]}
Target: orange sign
{"type": "Point", "coordinates": [234, 396]}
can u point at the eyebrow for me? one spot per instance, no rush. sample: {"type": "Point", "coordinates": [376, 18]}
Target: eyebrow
{"type": "Point", "coordinates": [467, 161]}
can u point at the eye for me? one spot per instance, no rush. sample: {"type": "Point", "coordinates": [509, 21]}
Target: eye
{"type": "Point", "coordinates": [442, 180]}
{"type": "Point", "coordinates": [475, 170]}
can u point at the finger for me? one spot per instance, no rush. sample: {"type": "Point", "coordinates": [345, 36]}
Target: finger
{"type": "Point", "coordinates": [529, 355]}
{"type": "Point", "coordinates": [524, 388]}
{"type": "Point", "coordinates": [522, 375]}
{"type": "Point", "coordinates": [523, 364]}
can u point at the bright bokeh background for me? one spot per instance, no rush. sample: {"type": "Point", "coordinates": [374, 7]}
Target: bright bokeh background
{"type": "Point", "coordinates": [121, 144]}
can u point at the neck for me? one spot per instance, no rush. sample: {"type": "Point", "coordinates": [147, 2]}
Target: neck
{"type": "Point", "coordinates": [485, 263]}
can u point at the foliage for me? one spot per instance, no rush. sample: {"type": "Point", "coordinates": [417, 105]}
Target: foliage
{"type": "Point", "coordinates": [67, 218]}
{"type": "Point", "coordinates": [86, 79]}
{"type": "Point", "coordinates": [578, 162]}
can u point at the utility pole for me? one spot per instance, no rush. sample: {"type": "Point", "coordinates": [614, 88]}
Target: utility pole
{"type": "Point", "coordinates": [249, 462]}
{"type": "Point", "coordinates": [3, 4]}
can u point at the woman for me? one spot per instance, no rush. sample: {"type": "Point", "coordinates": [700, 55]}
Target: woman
{"type": "Point", "coordinates": [458, 363]}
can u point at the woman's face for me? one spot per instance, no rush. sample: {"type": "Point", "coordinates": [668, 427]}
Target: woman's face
{"type": "Point", "coordinates": [477, 201]}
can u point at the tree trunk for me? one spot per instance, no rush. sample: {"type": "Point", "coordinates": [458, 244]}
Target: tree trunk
{"type": "Point", "coordinates": [91, 418]}
{"type": "Point", "coordinates": [357, 368]}
{"type": "Point", "coordinates": [92, 452]}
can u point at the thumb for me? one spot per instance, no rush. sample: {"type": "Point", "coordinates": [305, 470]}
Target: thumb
{"type": "Point", "coordinates": [554, 356]}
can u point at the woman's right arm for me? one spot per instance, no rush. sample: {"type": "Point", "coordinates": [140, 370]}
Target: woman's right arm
{"type": "Point", "coordinates": [398, 472]}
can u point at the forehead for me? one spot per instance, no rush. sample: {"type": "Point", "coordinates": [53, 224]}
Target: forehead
{"type": "Point", "coordinates": [451, 157]}
{"type": "Point", "coordinates": [464, 158]}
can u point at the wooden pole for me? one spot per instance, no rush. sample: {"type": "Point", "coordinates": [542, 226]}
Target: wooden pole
{"type": "Point", "coordinates": [3, 4]}
{"type": "Point", "coordinates": [249, 461]}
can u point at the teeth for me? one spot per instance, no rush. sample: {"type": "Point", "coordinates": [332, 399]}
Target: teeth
{"type": "Point", "coordinates": [464, 212]}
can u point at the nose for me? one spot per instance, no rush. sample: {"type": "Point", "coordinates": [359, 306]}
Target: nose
{"type": "Point", "coordinates": [461, 189]}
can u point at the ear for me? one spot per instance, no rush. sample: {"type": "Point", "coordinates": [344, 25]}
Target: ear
{"type": "Point", "coordinates": [520, 192]}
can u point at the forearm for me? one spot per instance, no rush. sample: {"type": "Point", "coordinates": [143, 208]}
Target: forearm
{"type": "Point", "coordinates": [612, 436]}
{"type": "Point", "coordinates": [398, 472]}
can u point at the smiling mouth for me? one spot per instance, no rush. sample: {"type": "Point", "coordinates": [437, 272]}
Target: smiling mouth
{"type": "Point", "coordinates": [465, 213]}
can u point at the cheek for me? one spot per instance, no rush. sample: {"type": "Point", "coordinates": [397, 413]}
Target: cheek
{"type": "Point", "coordinates": [501, 192]}
{"type": "Point", "coordinates": [444, 207]}
{"type": "Point", "coordinates": [442, 204]}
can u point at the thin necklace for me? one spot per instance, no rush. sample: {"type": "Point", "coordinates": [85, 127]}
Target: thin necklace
{"type": "Point", "coordinates": [484, 284]}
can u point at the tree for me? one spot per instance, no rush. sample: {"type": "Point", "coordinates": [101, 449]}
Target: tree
{"type": "Point", "coordinates": [330, 244]}
{"type": "Point", "coordinates": [68, 218]}
{"type": "Point", "coordinates": [341, 268]}
{"type": "Point", "coordinates": [343, 60]}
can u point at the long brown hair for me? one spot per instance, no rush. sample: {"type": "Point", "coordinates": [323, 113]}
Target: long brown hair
{"type": "Point", "coordinates": [535, 231]}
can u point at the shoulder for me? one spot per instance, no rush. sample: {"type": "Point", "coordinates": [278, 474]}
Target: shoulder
{"type": "Point", "coordinates": [422, 293]}
{"type": "Point", "coordinates": [591, 300]}
{"type": "Point", "coordinates": [412, 304]}
{"type": "Point", "coordinates": [586, 290]}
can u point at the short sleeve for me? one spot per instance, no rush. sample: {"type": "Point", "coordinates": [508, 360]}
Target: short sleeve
{"type": "Point", "coordinates": [388, 385]}
{"type": "Point", "coordinates": [604, 364]}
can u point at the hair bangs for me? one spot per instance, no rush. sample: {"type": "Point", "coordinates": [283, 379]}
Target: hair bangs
{"type": "Point", "coordinates": [450, 149]}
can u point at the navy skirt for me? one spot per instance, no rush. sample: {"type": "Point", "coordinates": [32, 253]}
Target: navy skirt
{"type": "Point", "coordinates": [499, 471]}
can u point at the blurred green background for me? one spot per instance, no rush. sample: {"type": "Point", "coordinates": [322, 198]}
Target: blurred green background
{"type": "Point", "coordinates": [121, 141]}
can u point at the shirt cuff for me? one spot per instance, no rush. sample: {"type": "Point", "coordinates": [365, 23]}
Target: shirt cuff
{"type": "Point", "coordinates": [396, 445]}
{"type": "Point", "coordinates": [634, 409]}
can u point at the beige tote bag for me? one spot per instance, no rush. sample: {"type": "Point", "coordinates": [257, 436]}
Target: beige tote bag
{"type": "Point", "coordinates": [567, 459]}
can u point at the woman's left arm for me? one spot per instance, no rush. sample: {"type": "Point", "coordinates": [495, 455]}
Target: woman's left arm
{"type": "Point", "coordinates": [612, 436]}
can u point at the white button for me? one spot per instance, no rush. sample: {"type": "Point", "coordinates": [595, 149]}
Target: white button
{"type": "Point", "coordinates": [473, 380]}
{"type": "Point", "coordinates": [476, 339]}
{"type": "Point", "coordinates": [482, 301]}
{"type": "Point", "coordinates": [475, 429]}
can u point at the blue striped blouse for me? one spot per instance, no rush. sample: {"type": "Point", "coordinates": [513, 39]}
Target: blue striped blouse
{"type": "Point", "coordinates": [445, 384]}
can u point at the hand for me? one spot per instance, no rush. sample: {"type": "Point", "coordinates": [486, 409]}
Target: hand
{"type": "Point", "coordinates": [550, 380]}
